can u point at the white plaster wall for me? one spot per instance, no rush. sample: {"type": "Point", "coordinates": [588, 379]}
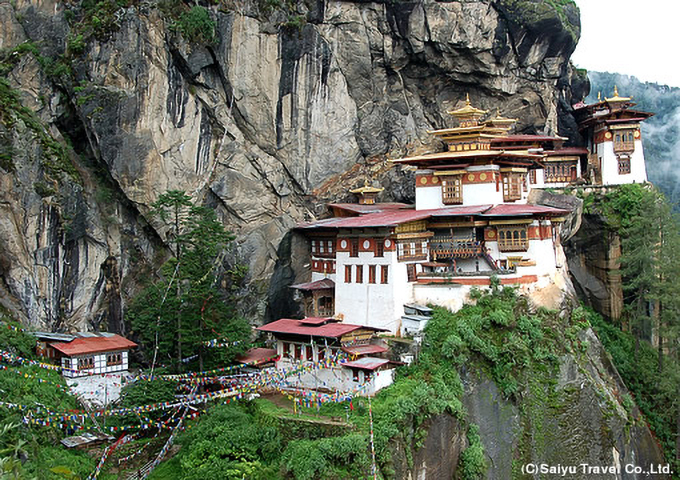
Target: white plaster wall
{"type": "Point", "coordinates": [429, 197]}
{"type": "Point", "coordinates": [451, 296]}
{"type": "Point", "coordinates": [610, 165]}
{"type": "Point", "coordinates": [336, 378]}
{"type": "Point", "coordinates": [482, 194]}
{"type": "Point", "coordinates": [371, 304]}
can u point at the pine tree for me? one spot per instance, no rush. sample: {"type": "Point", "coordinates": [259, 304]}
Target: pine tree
{"type": "Point", "coordinates": [186, 308]}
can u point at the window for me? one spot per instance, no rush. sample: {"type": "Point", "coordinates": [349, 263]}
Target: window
{"type": "Point", "coordinates": [452, 190]}
{"type": "Point", "coordinates": [309, 353]}
{"type": "Point", "coordinates": [383, 273]}
{"type": "Point", "coordinates": [415, 250]}
{"type": "Point", "coordinates": [411, 272]}
{"type": "Point", "coordinates": [354, 247]}
{"type": "Point", "coordinates": [560, 172]}
{"type": "Point", "coordinates": [513, 239]}
{"type": "Point", "coordinates": [624, 141]}
{"type": "Point", "coordinates": [348, 273]}
{"type": "Point", "coordinates": [286, 348]}
{"type": "Point", "coordinates": [532, 176]}
{"type": "Point", "coordinates": [379, 247]}
{"type": "Point", "coordinates": [325, 305]}
{"type": "Point", "coordinates": [114, 359]}
{"type": "Point", "coordinates": [85, 363]}
{"type": "Point", "coordinates": [624, 165]}
{"type": "Point", "coordinates": [371, 273]}
{"type": "Point", "coordinates": [512, 186]}
{"type": "Point", "coordinates": [67, 363]}
{"type": "Point", "coordinates": [360, 274]}
{"type": "Point", "coordinates": [298, 352]}
{"type": "Point", "coordinates": [355, 375]}
{"type": "Point", "coordinates": [322, 353]}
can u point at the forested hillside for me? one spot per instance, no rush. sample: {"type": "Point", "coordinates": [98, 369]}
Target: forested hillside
{"type": "Point", "coordinates": [661, 133]}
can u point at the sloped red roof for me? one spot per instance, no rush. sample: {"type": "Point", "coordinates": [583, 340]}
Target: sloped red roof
{"type": "Point", "coordinates": [364, 349]}
{"type": "Point", "coordinates": [512, 209]}
{"type": "Point", "coordinates": [95, 344]}
{"type": "Point", "coordinates": [375, 208]}
{"type": "Point", "coordinates": [567, 151]}
{"type": "Point", "coordinates": [323, 284]}
{"type": "Point", "coordinates": [317, 320]}
{"type": "Point", "coordinates": [390, 219]}
{"type": "Point", "coordinates": [367, 363]}
{"type": "Point", "coordinates": [527, 138]}
{"type": "Point", "coordinates": [296, 327]}
{"type": "Point", "coordinates": [257, 356]}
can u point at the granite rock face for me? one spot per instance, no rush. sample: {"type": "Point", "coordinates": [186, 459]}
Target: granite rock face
{"type": "Point", "coordinates": [265, 124]}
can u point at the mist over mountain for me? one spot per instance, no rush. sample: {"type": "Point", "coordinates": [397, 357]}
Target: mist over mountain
{"type": "Point", "coordinates": [660, 134]}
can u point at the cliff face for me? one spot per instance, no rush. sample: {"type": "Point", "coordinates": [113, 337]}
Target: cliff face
{"type": "Point", "coordinates": [287, 108]}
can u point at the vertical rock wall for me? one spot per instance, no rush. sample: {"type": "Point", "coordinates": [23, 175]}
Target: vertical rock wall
{"type": "Point", "coordinates": [264, 124]}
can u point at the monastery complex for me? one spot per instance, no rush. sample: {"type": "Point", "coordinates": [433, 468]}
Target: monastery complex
{"type": "Point", "coordinates": [374, 266]}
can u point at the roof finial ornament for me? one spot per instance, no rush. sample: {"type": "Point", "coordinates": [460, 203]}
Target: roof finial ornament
{"type": "Point", "coordinates": [366, 182]}
{"type": "Point", "coordinates": [599, 96]}
{"type": "Point", "coordinates": [467, 99]}
{"type": "Point", "coordinates": [616, 91]}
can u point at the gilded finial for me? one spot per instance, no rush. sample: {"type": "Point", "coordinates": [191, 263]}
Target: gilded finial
{"type": "Point", "coordinates": [366, 182]}
{"type": "Point", "coordinates": [616, 91]}
{"type": "Point", "coordinates": [467, 99]}
{"type": "Point", "coordinates": [599, 96]}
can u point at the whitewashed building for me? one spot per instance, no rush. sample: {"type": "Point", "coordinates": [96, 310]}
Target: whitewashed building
{"type": "Point", "coordinates": [318, 343]}
{"type": "Point", "coordinates": [86, 353]}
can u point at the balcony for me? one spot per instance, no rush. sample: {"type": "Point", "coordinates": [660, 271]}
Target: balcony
{"type": "Point", "coordinates": [442, 248]}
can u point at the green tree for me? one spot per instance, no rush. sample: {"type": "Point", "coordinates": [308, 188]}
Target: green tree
{"type": "Point", "coordinates": [186, 307]}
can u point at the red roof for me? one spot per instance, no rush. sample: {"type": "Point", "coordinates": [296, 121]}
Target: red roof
{"type": "Point", "coordinates": [364, 349]}
{"type": "Point", "coordinates": [297, 327]}
{"type": "Point", "coordinates": [375, 208]}
{"type": "Point", "coordinates": [526, 138]}
{"type": "Point", "coordinates": [512, 209]}
{"type": "Point", "coordinates": [383, 219]}
{"type": "Point", "coordinates": [390, 219]}
{"type": "Point", "coordinates": [567, 151]}
{"type": "Point", "coordinates": [323, 284]}
{"type": "Point", "coordinates": [317, 320]}
{"type": "Point", "coordinates": [257, 356]}
{"type": "Point", "coordinates": [94, 344]}
{"type": "Point", "coordinates": [367, 363]}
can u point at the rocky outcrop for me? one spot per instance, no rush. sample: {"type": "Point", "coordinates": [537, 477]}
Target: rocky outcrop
{"type": "Point", "coordinates": [593, 257]}
{"type": "Point", "coordinates": [284, 110]}
{"type": "Point", "coordinates": [578, 419]}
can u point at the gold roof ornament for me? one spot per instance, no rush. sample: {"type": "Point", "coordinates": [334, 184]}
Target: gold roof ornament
{"type": "Point", "coordinates": [366, 189]}
{"type": "Point", "coordinates": [616, 97]}
{"type": "Point", "coordinates": [468, 110]}
{"type": "Point", "coordinates": [501, 120]}
{"type": "Point", "coordinates": [599, 96]}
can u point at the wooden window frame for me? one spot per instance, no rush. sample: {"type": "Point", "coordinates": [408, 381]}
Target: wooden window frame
{"type": "Point", "coordinates": [513, 185]}
{"type": "Point", "coordinates": [371, 273]}
{"type": "Point", "coordinates": [354, 247]}
{"type": "Point", "coordinates": [624, 141]}
{"type": "Point", "coordinates": [384, 274]}
{"type": "Point", "coordinates": [452, 190]}
{"type": "Point", "coordinates": [623, 165]}
{"type": "Point", "coordinates": [379, 247]}
{"type": "Point", "coordinates": [309, 353]}
{"type": "Point", "coordinates": [513, 238]}
{"type": "Point", "coordinates": [411, 275]}
{"type": "Point", "coordinates": [359, 274]}
{"type": "Point", "coordinates": [116, 360]}
{"type": "Point", "coordinates": [348, 273]}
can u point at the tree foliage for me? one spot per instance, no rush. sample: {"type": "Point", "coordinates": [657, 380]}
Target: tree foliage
{"type": "Point", "coordinates": [187, 307]}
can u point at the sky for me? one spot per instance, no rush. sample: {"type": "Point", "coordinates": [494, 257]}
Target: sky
{"type": "Point", "coordinates": [633, 37]}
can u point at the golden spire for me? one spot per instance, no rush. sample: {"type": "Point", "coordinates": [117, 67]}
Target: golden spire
{"type": "Point", "coordinates": [468, 110]}
{"type": "Point", "coordinates": [616, 97]}
{"type": "Point", "coordinates": [599, 96]}
{"type": "Point", "coordinates": [366, 188]}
